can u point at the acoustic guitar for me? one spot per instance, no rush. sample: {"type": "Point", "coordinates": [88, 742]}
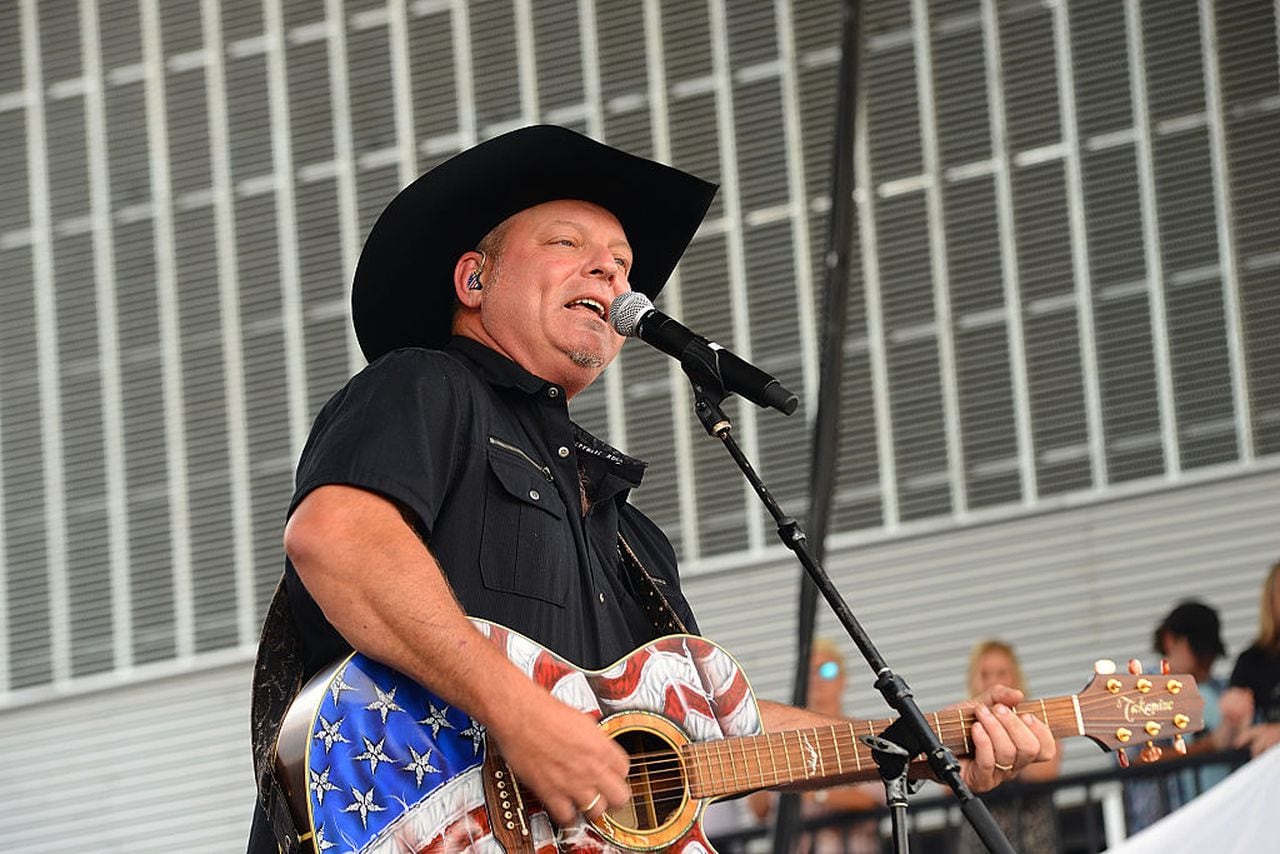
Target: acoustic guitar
{"type": "Point", "coordinates": [373, 762]}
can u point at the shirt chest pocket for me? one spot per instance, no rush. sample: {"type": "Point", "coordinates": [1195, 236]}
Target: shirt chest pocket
{"type": "Point", "coordinates": [526, 543]}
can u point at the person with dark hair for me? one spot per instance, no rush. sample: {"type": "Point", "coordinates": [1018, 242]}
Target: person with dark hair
{"type": "Point", "coordinates": [1251, 706]}
{"type": "Point", "coordinates": [446, 481]}
{"type": "Point", "coordinates": [1190, 639]}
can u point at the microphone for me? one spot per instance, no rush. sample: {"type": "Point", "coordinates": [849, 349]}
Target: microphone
{"type": "Point", "coordinates": [632, 315]}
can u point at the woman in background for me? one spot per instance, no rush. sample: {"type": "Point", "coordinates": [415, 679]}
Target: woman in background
{"type": "Point", "coordinates": [1028, 821]}
{"type": "Point", "coordinates": [826, 695]}
{"type": "Point", "coordinates": [1251, 706]}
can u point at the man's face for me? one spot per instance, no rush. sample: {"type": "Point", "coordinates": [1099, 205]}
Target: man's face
{"type": "Point", "coordinates": [544, 304]}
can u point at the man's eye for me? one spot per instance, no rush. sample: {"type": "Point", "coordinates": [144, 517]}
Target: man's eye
{"type": "Point", "coordinates": [566, 241]}
{"type": "Point", "coordinates": [623, 263]}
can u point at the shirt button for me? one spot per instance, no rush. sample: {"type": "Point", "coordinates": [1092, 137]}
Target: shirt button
{"type": "Point", "coordinates": [563, 452]}
{"type": "Point", "coordinates": [553, 392]}
{"type": "Point", "coordinates": [534, 494]}
{"type": "Point", "coordinates": [601, 598]}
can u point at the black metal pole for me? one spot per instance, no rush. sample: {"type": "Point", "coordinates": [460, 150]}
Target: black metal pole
{"type": "Point", "coordinates": [911, 734]}
{"type": "Point", "coordinates": [826, 432]}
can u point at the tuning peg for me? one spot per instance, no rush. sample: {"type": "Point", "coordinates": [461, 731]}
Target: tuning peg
{"type": "Point", "coordinates": [1135, 666]}
{"type": "Point", "coordinates": [1151, 752]}
{"type": "Point", "coordinates": [1180, 745]}
{"type": "Point", "coordinates": [1123, 759]}
{"type": "Point", "coordinates": [1104, 666]}
{"type": "Point", "coordinates": [1164, 667]}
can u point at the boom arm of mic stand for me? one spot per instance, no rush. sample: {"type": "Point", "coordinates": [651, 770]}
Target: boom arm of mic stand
{"type": "Point", "coordinates": [911, 731]}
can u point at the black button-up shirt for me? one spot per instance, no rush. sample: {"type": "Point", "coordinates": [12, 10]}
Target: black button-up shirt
{"type": "Point", "coordinates": [482, 457]}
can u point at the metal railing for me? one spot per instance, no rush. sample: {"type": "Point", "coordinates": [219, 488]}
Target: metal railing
{"type": "Point", "coordinates": [1074, 814]}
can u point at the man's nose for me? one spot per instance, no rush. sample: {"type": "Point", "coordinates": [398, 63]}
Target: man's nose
{"type": "Point", "coordinates": [606, 267]}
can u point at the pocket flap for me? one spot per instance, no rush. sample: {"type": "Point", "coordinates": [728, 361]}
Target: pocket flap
{"type": "Point", "coordinates": [525, 483]}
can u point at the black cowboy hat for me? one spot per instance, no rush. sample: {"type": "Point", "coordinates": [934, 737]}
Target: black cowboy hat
{"type": "Point", "coordinates": [403, 291]}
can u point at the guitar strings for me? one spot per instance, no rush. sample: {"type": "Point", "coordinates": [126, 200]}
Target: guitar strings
{"type": "Point", "coordinates": [674, 777]}
{"type": "Point", "coordinates": [719, 750]}
{"type": "Point", "coordinates": [682, 767]}
{"type": "Point", "coordinates": [775, 740]}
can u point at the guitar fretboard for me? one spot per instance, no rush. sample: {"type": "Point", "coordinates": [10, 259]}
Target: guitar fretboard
{"type": "Point", "coordinates": [732, 766]}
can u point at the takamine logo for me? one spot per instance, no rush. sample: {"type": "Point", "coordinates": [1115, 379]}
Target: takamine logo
{"type": "Point", "coordinates": [1142, 707]}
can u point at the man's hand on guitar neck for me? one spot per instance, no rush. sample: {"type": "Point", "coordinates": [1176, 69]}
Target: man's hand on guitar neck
{"type": "Point", "coordinates": [1003, 742]}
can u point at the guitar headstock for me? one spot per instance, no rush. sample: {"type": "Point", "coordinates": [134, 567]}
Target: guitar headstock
{"type": "Point", "coordinates": [1119, 710]}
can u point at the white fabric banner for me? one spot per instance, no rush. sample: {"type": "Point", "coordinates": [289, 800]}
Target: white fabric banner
{"type": "Point", "coordinates": [1237, 815]}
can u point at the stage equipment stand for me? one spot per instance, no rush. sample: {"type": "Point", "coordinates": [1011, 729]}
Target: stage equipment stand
{"type": "Point", "coordinates": [911, 734]}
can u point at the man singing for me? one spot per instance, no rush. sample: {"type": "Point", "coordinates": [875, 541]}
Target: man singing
{"type": "Point", "coordinates": [447, 479]}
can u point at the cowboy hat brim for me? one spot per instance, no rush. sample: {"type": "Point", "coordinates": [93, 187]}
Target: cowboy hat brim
{"type": "Point", "coordinates": [403, 290]}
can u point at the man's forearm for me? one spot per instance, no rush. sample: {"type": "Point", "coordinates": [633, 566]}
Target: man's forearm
{"type": "Point", "coordinates": [780, 716]}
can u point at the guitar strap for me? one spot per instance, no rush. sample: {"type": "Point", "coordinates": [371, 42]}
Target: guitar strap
{"type": "Point", "coordinates": [656, 607]}
{"type": "Point", "coordinates": [277, 679]}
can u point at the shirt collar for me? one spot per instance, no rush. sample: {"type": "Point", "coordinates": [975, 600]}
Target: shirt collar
{"type": "Point", "coordinates": [494, 367]}
{"type": "Point", "coordinates": [599, 457]}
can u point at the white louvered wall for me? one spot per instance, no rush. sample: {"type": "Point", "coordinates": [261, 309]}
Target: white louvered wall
{"type": "Point", "coordinates": [1063, 363]}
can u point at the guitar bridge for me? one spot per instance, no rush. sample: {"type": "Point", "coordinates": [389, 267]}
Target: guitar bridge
{"type": "Point", "coordinates": [507, 815]}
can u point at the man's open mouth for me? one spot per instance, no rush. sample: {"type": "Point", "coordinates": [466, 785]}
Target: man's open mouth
{"type": "Point", "coordinates": [590, 305]}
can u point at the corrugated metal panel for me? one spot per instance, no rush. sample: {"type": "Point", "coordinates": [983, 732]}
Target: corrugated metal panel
{"type": "Point", "coordinates": [157, 766]}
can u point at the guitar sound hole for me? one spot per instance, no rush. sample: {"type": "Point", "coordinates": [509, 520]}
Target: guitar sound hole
{"type": "Point", "coordinates": [656, 780]}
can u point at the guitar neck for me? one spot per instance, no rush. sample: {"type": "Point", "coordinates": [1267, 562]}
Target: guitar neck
{"type": "Point", "coordinates": [833, 753]}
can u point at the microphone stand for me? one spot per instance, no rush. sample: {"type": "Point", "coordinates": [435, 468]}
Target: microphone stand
{"type": "Point", "coordinates": [908, 736]}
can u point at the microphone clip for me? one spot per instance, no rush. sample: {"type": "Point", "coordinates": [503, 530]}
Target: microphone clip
{"type": "Point", "coordinates": [701, 363]}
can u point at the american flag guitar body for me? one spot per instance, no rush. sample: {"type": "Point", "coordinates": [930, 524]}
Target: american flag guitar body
{"type": "Point", "coordinates": [372, 762]}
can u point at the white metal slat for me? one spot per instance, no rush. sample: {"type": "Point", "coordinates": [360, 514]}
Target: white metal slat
{"type": "Point", "coordinates": [1151, 237]}
{"type": "Point", "coordinates": [176, 446]}
{"type": "Point", "coordinates": [1001, 157]}
{"type": "Point", "coordinates": [737, 272]}
{"type": "Point", "coordinates": [47, 346]}
{"type": "Point", "coordinates": [1065, 68]}
{"type": "Point", "coordinates": [229, 310]}
{"type": "Point", "coordinates": [108, 338]}
{"type": "Point", "coordinates": [1225, 216]}
{"type": "Point", "coordinates": [655, 62]}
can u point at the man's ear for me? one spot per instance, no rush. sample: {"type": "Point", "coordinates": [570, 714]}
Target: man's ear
{"type": "Point", "coordinates": [469, 264]}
